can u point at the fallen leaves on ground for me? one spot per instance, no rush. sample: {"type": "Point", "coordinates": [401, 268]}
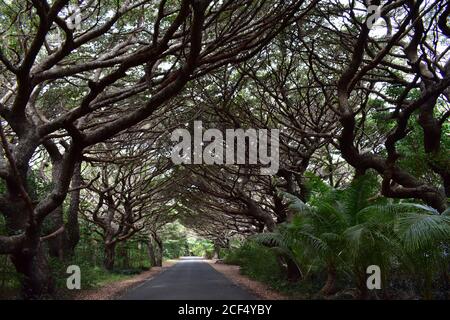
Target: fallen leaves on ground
{"type": "Point", "coordinates": [257, 288]}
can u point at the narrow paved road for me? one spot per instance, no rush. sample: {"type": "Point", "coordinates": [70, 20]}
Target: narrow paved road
{"type": "Point", "coordinates": [189, 279]}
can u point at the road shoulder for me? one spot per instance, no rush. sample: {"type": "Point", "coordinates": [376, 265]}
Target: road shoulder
{"type": "Point", "coordinates": [115, 289]}
{"type": "Point", "coordinates": [255, 287]}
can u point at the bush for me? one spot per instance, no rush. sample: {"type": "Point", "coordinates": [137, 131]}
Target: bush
{"type": "Point", "coordinates": [90, 274]}
{"type": "Point", "coordinates": [9, 278]}
{"type": "Point", "coordinates": [256, 261]}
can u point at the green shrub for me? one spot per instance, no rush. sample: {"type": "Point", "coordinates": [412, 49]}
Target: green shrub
{"type": "Point", "coordinates": [256, 261]}
{"type": "Point", "coordinates": [90, 274]}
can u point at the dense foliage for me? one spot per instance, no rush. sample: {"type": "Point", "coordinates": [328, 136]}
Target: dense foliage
{"type": "Point", "coordinates": [340, 232]}
{"type": "Point", "coordinates": [352, 104]}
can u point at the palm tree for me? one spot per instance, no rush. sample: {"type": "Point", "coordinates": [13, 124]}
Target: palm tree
{"type": "Point", "coordinates": [334, 228]}
{"type": "Point", "coordinates": [415, 235]}
{"type": "Point", "coordinates": [424, 235]}
{"type": "Point", "coordinates": [351, 229]}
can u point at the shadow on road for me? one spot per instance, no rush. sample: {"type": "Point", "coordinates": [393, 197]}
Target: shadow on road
{"type": "Point", "coordinates": [191, 278]}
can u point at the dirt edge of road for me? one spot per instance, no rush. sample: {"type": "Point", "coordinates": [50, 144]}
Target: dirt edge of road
{"type": "Point", "coordinates": [115, 289]}
{"type": "Point", "coordinates": [255, 287]}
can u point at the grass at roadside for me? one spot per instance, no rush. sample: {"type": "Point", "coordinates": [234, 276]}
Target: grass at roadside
{"type": "Point", "coordinates": [110, 286]}
{"type": "Point", "coordinates": [260, 263]}
{"type": "Point", "coordinates": [102, 277]}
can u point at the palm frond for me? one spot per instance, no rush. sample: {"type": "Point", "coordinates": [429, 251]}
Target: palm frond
{"type": "Point", "coordinates": [420, 230]}
{"type": "Point", "coordinates": [270, 239]}
{"type": "Point", "coordinates": [356, 196]}
{"type": "Point", "coordinates": [294, 203]}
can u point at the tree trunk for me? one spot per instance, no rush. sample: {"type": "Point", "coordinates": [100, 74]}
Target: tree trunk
{"type": "Point", "coordinates": [55, 219]}
{"type": "Point", "coordinates": [361, 285]}
{"type": "Point", "coordinates": [151, 252]}
{"type": "Point", "coordinates": [289, 267]}
{"type": "Point", "coordinates": [293, 271]}
{"type": "Point", "coordinates": [280, 209]}
{"type": "Point", "coordinates": [330, 284]}
{"type": "Point", "coordinates": [159, 255]}
{"type": "Point", "coordinates": [55, 244]}
{"type": "Point", "coordinates": [72, 227]}
{"type": "Point", "coordinates": [108, 262]}
{"type": "Point", "coordinates": [446, 283]}
{"type": "Point", "coordinates": [216, 251]}
{"type": "Point", "coordinates": [30, 260]}
{"type": "Point", "coordinates": [253, 210]}
{"type": "Point", "coordinates": [33, 265]}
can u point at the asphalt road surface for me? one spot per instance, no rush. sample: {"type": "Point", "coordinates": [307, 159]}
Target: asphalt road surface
{"type": "Point", "coordinates": [189, 279]}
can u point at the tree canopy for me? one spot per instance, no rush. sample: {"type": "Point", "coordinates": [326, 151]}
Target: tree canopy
{"type": "Point", "coordinates": [90, 92]}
